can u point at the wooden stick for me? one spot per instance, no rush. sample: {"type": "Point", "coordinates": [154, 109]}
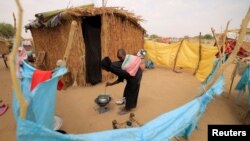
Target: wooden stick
{"type": "Point", "coordinates": [232, 81]}
{"type": "Point", "coordinates": [217, 44]}
{"type": "Point", "coordinates": [244, 25]}
{"type": "Point", "coordinates": [224, 40]}
{"type": "Point", "coordinates": [218, 47]}
{"type": "Point", "coordinates": [14, 17]}
{"type": "Point", "coordinates": [200, 55]}
{"type": "Point", "coordinates": [237, 30]}
{"type": "Point", "coordinates": [176, 57]}
{"type": "Point", "coordinates": [5, 60]}
{"type": "Point", "coordinates": [246, 115]}
{"type": "Point", "coordinates": [70, 41]}
{"type": "Point", "coordinates": [15, 81]}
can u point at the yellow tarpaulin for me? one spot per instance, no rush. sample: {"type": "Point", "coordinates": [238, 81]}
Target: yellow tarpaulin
{"type": "Point", "coordinates": [188, 57]}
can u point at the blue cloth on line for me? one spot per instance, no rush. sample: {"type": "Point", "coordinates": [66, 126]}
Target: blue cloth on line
{"type": "Point", "coordinates": [243, 82]}
{"type": "Point", "coordinates": [41, 100]}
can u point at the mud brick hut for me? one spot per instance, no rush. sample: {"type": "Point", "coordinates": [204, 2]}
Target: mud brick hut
{"type": "Point", "coordinates": [100, 32]}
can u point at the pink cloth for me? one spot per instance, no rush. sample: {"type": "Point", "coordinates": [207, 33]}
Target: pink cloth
{"type": "Point", "coordinates": [21, 56]}
{"type": "Point", "coordinates": [131, 64]}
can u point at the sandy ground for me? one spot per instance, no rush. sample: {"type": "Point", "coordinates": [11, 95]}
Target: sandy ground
{"type": "Point", "coordinates": [161, 90]}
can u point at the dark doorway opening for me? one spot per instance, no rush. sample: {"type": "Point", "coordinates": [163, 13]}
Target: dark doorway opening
{"type": "Point", "coordinates": [91, 29]}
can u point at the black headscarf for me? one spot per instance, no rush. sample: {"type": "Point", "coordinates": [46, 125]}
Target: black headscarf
{"type": "Point", "coordinates": [106, 63]}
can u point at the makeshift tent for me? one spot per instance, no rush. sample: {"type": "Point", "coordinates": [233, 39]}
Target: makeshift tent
{"type": "Point", "coordinates": [100, 32]}
{"type": "Point", "coordinates": [188, 56]}
{"type": "Point", "coordinates": [40, 112]}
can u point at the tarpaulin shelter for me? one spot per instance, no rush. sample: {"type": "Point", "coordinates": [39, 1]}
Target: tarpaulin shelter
{"type": "Point", "coordinates": [182, 54]}
{"type": "Point", "coordinates": [100, 32]}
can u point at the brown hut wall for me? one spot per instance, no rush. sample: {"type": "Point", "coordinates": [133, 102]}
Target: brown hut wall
{"type": "Point", "coordinates": [118, 33]}
{"type": "Point", "coordinates": [54, 41]}
{"type": "Point", "coordinates": [80, 66]}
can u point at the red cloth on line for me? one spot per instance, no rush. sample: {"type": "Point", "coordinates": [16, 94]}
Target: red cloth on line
{"type": "Point", "coordinates": [230, 47]}
{"type": "Point", "coordinates": [39, 77]}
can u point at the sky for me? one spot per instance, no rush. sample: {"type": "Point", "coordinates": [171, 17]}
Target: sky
{"type": "Point", "coordinates": [167, 18]}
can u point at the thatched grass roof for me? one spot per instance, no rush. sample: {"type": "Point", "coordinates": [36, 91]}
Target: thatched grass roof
{"type": "Point", "coordinates": [54, 18]}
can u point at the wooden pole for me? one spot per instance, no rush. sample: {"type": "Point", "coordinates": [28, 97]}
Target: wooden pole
{"type": "Point", "coordinates": [69, 47]}
{"type": "Point", "coordinates": [70, 41]}
{"type": "Point", "coordinates": [176, 57]}
{"type": "Point", "coordinates": [200, 55]}
{"type": "Point", "coordinates": [5, 60]}
{"type": "Point", "coordinates": [224, 41]}
{"type": "Point", "coordinates": [15, 81]}
{"type": "Point", "coordinates": [217, 45]}
{"type": "Point", "coordinates": [232, 81]}
{"type": "Point", "coordinates": [246, 115]}
{"type": "Point", "coordinates": [231, 58]}
{"type": "Point", "coordinates": [215, 39]}
{"type": "Point", "coordinates": [14, 18]}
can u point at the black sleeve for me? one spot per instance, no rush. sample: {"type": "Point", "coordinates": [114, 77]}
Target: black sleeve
{"type": "Point", "coordinates": [105, 63]}
{"type": "Point", "coordinates": [120, 79]}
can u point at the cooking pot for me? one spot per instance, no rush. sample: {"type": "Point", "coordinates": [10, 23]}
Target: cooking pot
{"type": "Point", "coordinates": [102, 100]}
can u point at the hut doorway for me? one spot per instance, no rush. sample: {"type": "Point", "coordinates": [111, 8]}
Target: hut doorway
{"type": "Point", "coordinates": [91, 29]}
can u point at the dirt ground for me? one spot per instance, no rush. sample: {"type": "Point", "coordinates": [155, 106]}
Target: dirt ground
{"type": "Point", "coordinates": [161, 90]}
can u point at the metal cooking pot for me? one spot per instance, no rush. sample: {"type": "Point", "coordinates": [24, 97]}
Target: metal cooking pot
{"type": "Point", "coordinates": [102, 100]}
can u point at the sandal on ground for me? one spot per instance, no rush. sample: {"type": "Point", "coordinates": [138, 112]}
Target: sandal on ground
{"type": "Point", "coordinates": [3, 109]}
{"type": "Point", "coordinates": [120, 101]}
{"type": "Point", "coordinates": [123, 111]}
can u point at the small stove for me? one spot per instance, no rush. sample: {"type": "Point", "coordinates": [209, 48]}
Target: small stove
{"type": "Point", "coordinates": [102, 101]}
